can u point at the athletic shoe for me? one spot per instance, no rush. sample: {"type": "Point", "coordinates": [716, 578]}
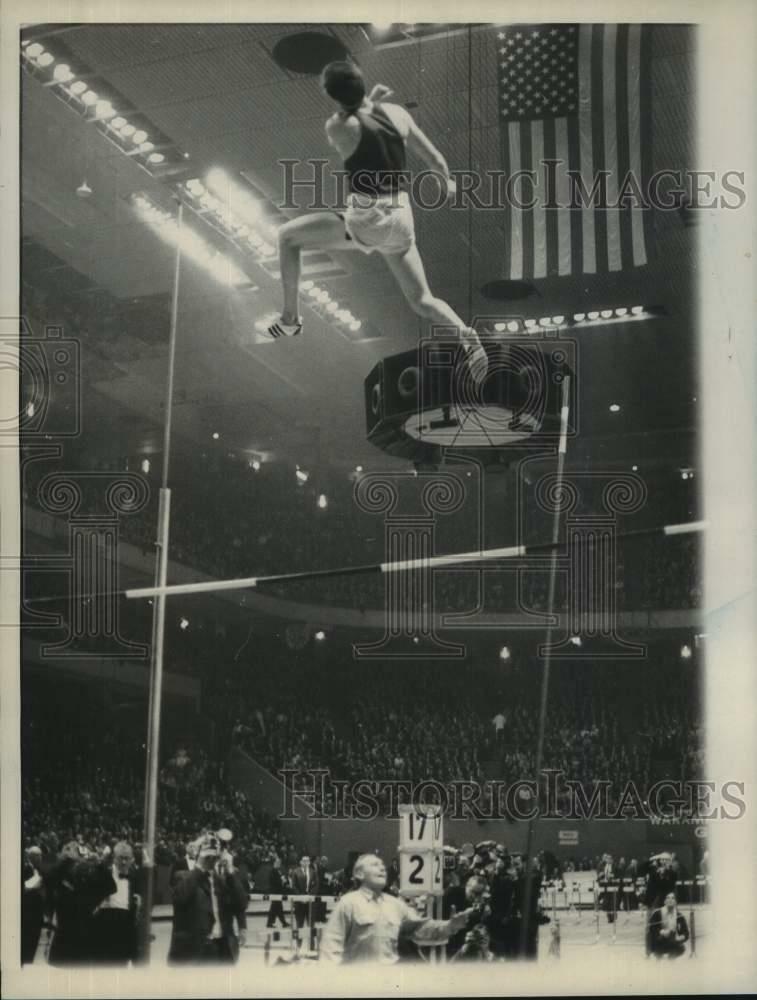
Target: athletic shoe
{"type": "Point", "coordinates": [273, 328]}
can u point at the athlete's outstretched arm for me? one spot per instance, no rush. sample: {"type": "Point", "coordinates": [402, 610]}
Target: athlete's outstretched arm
{"type": "Point", "coordinates": [421, 146]}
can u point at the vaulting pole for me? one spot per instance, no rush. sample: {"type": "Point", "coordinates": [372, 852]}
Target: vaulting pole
{"type": "Point", "coordinates": [159, 619]}
{"type": "Point", "coordinates": [526, 922]}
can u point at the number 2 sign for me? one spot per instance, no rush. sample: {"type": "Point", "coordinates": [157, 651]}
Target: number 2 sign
{"type": "Point", "coordinates": [420, 872]}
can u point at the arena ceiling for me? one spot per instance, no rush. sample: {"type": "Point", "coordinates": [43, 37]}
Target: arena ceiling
{"type": "Point", "coordinates": [217, 91]}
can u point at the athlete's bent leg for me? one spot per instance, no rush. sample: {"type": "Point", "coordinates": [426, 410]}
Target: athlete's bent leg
{"type": "Point", "coordinates": [322, 231]}
{"type": "Point", "coordinates": [410, 274]}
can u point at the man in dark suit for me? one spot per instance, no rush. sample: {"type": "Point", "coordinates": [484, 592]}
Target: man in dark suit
{"type": "Point", "coordinates": [501, 895]}
{"type": "Point", "coordinates": [608, 885]}
{"type": "Point", "coordinates": [114, 924]}
{"type": "Point", "coordinates": [661, 879]}
{"type": "Point", "coordinates": [519, 909]}
{"type": "Point", "coordinates": [77, 885]}
{"type": "Point", "coordinates": [32, 904]}
{"type": "Point", "coordinates": [180, 863]}
{"type": "Point", "coordinates": [206, 902]}
{"type": "Point", "coordinates": [276, 887]}
{"type": "Point", "coordinates": [668, 930]}
{"type": "Point", "coordinates": [304, 881]}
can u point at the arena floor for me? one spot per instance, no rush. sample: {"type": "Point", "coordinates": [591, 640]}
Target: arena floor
{"type": "Point", "coordinates": [580, 937]}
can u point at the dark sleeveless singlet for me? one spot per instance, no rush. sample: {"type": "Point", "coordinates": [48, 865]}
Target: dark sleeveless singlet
{"type": "Point", "coordinates": [377, 166]}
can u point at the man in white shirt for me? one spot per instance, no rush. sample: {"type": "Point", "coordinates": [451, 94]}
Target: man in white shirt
{"type": "Point", "coordinates": [366, 925]}
{"type": "Point", "coordinates": [115, 920]}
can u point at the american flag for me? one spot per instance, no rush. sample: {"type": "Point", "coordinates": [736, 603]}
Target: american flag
{"type": "Point", "coordinates": [574, 102]}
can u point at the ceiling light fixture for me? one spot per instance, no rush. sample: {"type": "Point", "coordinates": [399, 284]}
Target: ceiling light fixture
{"type": "Point", "coordinates": [104, 110]}
{"type": "Point", "coordinates": [62, 73]}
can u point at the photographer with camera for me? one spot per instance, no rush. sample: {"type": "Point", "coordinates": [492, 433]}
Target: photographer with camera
{"type": "Point", "coordinates": [206, 902]}
{"type": "Point", "coordinates": [668, 930]}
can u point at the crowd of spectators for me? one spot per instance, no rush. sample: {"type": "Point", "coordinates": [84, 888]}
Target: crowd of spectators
{"type": "Point", "coordinates": [619, 724]}
{"type": "Point", "coordinates": [83, 781]}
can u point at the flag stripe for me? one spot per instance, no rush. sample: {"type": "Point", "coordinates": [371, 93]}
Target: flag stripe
{"type": "Point", "coordinates": [586, 148]}
{"type": "Point", "coordinates": [504, 142]}
{"type": "Point", "coordinates": [539, 212]}
{"type": "Point", "coordinates": [550, 153]}
{"type": "Point", "coordinates": [562, 215]}
{"type": "Point", "coordinates": [610, 125]}
{"type": "Point", "coordinates": [634, 130]}
{"type": "Point", "coordinates": [527, 216]}
{"type": "Point", "coordinates": [574, 215]}
{"type": "Point", "coordinates": [627, 254]}
{"type": "Point", "coordinates": [516, 215]}
{"type": "Point", "coordinates": [598, 128]}
{"type": "Point", "coordinates": [645, 115]}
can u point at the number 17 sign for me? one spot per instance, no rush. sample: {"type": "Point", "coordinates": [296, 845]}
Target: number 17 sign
{"type": "Point", "coordinates": [421, 827]}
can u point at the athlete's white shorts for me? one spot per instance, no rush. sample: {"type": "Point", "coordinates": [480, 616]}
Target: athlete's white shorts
{"type": "Point", "coordinates": [383, 224]}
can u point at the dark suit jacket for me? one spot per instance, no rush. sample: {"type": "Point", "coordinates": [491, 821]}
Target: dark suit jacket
{"type": "Point", "coordinates": [77, 887]}
{"type": "Point", "coordinates": [658, 943]}
{"type": "Point", "coordinates": [276, 883]}
{"type": "Point", "coordinates": [299, 882]}
{"type": "Point", "coordinates": [32, 915]}
{"type": "Point", "coordinates": [115, 932]}
{"type": "Point", "coordinates": [180, 865]}
{"type": "Point", "coordinates": [193, 913]}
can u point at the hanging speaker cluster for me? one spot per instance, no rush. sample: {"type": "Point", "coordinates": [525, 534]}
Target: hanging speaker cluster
{"type": "Point", "coordinates": [424, 405]}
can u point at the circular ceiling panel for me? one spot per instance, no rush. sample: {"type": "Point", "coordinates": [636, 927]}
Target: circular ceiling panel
{"type": "Point", "coordinates": [308, 52]}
